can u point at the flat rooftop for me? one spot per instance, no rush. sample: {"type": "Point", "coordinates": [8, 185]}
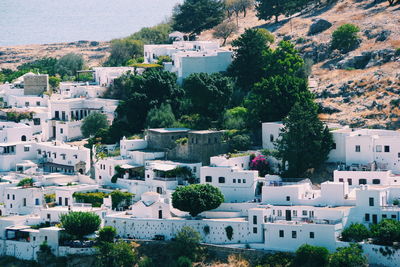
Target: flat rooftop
{"type": "Point", "coordinates": [169, 130]}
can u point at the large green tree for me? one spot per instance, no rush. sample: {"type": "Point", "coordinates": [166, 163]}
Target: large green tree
{"type": "Point", "coordinates": [386, 232]}
{"type": "Point", "coordinates": [345, 38]}
{"type": "Point", "coordinates": [160, 117]}
{"type": "Point", "coordinates": [69, 64]}
{"type": "Point", "coordinates": [209, 93]}
{"type": "Point", "coordinates": [119, 254]}
{"type": "Point", "coordinates": [93, 123]}
{"type": "Point", "coordinates": [356, 232]}
{"type": "Point", "coordinates": [304, 141]}
{"type": "Point", "coordinates": [248, 64]}
{"type": "Point", "coordinates": [267, 9]}
{"type": "Point", "coordinates": [79, 223]}
{"type": "Point", "coordinates": [273, 97]}
{"type": "Point", "coordinates": [122, 50]}
{"type": "Point", "coordinates": [195, 16]}
{"type": "Point", "coordinates": [197, 198]}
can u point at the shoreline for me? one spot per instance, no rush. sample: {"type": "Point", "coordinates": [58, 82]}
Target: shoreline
{"type": "Point", "coordinates": [94, 52]}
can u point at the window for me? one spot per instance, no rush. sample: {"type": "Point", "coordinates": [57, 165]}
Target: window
{"type": "Point", "coordinates": [287, 198]}
{"type": "Point", "coordinates": [61, 130]}
{"type": "Point", "coordinates": [234, 181]}
{"type": "Point", "coordinates": [254, 230]}
{"type": "Point", "coordinates": [26, 148]}
{"type": "Point", "coordinates": [334, 146]}
{"type": "Point", "coordinates": [393, 216]}
{"type": "Point", "coordinates": [8, 196]}
{"type": "Point", "coordinates": [376, 181]}
{"type": "Point", "coordinates": [244, 181]}
{"type": "Point", "coordinates": [350, 181]}
{"type": "Point", "coordinates": [304, 213]}
{"type": "Point", "coordinates": [254, 219]}
{"type": "Point", "coordinates": [281, 233]}
{"type": "Point", "coordinates": [294, 213]}
{"type": "Point", "coordinates": [48, 216]}
{"type": "Point", "coordinates": [60, 201]}
{"type": "Point", "coordinates": [26, 104]}
{"type": "Point", "coordinates": [384, 216]}
{"type": "Point", "coordinates": [221, 180]}
{"type": "Point", "coordinates": [362, 181]}
{"type": "Point", "coordinates": [312, 235]}
{"type": "Point", "coordinates": [358, 148]}
{"type": "Point", "coordinates": [36, 121]}
{"type": "Point", "coordinates": [371, 201]}
{"type": "Point", "coordinates": [13, 197]}
{"type": "Point", "coordinates": [378, 148]}
{"type": "Point", "coordinates": [24, 202]}
{"type": "Point", "coordinates": [239, 181]}
{"type": "Point", "coordinates": [208, 179]}
{"type": "Point", "coordinates": [23, 138]}
{"type": "Point", "coordinates": [294, 234]}
{"type": "Point", "coordinates": [37, 202]}
{"type": "Point", "coordinates": [279, 213]}
{"type": "Point", "coordinates": [38, 103]}
{"type": "Point", "coordinates": [387, 148]}
{"type": "Point", "coordinates": [271, 138]}
{"type": "Point", "coordinates": [398, 155]}
{"type": "Point", "coordinates": [366, 218]}
{"type": "Point", "coordinates": [194, 169]}
{"type": "Point", "coordinates": [341, 180]}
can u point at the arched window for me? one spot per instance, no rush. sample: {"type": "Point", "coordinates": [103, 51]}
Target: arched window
{"type": "Point", "coordinates": [23, 138]}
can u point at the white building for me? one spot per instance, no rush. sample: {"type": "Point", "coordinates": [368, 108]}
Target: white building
{"type": "Point", "coordinates": [67, 115]}
{"type": "Point", "coordinates": [105, 76]}
{"type": "Point", "coordinates": [190, 57]}
{"type": "Point", "coordinates": [231, 176]}
{"type": "Point", "coordinates": [79, 89]}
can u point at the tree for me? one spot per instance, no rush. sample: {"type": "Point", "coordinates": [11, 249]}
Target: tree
{"type": "Point", "coordinates": [54, 81]}
{"type": "Point", "coordinates": [107, 234]}
{"type": "Point", "coordinates": [209, 93]}
{"type": "Point", "coordinates": [26, 182]}
{"type": "Point", "coordinates": [93, 123]}
{"type": "Point", "coordinates": [356, 232]}
{"type": "Point", "coordinates": [197, 198]}
{"type": "Point", "coordinates": [386, 232]}
{"type": "Point", "coordinates": [195, 16]}
{"type": "Point", "coordinates": [248, 64]}
{"type": "Point", "coordinates": [153, 35]}
{"type": "Point", "coordinates": [79, 223]}
{"type": "Point", "coordinates": [351, 256]}
{"type": "Point", "coordinates": [345, 38]}
{"type": "Point", "coordinates": [239, 142]}
{"type": "Point", "coordinates": [161, 117]}
{"type": "Point", "coordinates": [266, 9]}
{"type": "Point", "coordinates": [304, 141]}
{"type": "Point", "coordinates": [184, 262]}
{"type": "Point", "coordinates": [187, 242]}
{"type": "Point", "coordinates": [225, 30]}
{"type": "Point", "coordinates": [123, 50]}
{"type": "Point", "coordinates": [311, 256]}
{"type": "Point", "coordinates": [69, 64]}
{"type": "Point", "coordinates": [235, 118]}
{"type": "Point", "coordinates": [119, 254]}
{"type": "Point", "coordinates": [273, 97]}
{"type": "Point", "coordinates": [43, 65]}
{"type": "Point", "coordinates": [119, 198]}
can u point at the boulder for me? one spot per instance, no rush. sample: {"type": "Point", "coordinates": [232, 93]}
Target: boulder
{"type": "Point", "coordinates": [383, 35]}
{"type": "Point", "coordinates": [318, 26]}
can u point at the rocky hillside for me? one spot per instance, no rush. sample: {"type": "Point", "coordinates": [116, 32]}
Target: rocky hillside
{"type": "Point", "coordinates": [94, 52]}
{"type": "Point", "coordinates": [360, 88]}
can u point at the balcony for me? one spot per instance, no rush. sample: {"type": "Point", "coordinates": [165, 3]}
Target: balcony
{"type": "Point", "coordinates": [300, 220]}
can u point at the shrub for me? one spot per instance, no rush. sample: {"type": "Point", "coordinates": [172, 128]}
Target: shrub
{"type": "Point", "coordinates": [356, 232]}
{"type": "Point", "coordinates": [229, 232]}
{"type": "Point", "coordinates": [397, 52]}
{"type": "Point", "coordinates": [26, 182]}
{"type": "Point", "coordinates": [345, 38]}
{"type": "Point", "coordinates": [348, 257]}
{"type": "Point", "coordinates": [49, 198]}
{"type": "Point", "coordinates": [107, 234]}
{"type": "Point", "coordinates": [145, 262]}
{"type": "Point", "coordinates": [239, 142]}
{"type": "Point", "coordinates": [311, 256]}
{"type": "Point", "coordinates": [396, 202]}
{"type": "Point", "coordinates": [79, 223]}
{"type": "Point", "coordinates": [94, 198]}
{"type": "Point", "coordinates": [386, 232]}
{"type": "Point", "coordinates": [119, 198]}
{"type": "Point", "coordinates": [186, 243]}
{"type": "Point", "coordinates": [184, 262]}
{"type": "Point", "coordinates": [206, 229]}
{"type": "Point", "coordinates": [45, 248]}
{"type": "Point", "coordinates": [260, 164]}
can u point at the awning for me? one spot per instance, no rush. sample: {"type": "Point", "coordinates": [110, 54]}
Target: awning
{"type": "Point", "coordinates": [127, 166]}
{"type": "Point", "coordinates": [164, 167]}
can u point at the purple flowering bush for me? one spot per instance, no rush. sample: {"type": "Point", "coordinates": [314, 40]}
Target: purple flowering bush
{"type": "Point", "coordinates": [260, 164]}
